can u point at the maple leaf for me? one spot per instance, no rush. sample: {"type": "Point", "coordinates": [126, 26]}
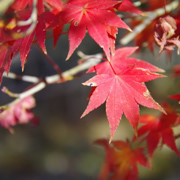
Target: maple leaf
{"type": "Point", "coordinates": [93, 16]}
{"type": "Point", "coordinates": [127, 6]}
{"type": "Point", "coordinates": [159, 128]}
{"type": "Point", "coordinates": [121, 160]}
{"type": "Point", "coordinates": [7, 51]}
{"type": "Point", "coordinates": [13, 36]}
{"type": "Point", "coordinates": [120, 83]}
{"type": "Point", "coordinates": [175, 96]}
{"type": "Point", "coordinates": [11, 46]}
{"type": "Point", "coordinates": [145, 36]}
{"type": "Point", "coordinates": [18, 113]}
{"type": "Point", "coordinates": [45, 21]}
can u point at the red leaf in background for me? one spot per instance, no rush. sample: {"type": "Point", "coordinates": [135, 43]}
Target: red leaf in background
{"type": "Point", "coordinates": [94, 16]}
{"type": "Point", "coordinates": [24, 44]}
{"type": "Point", "coordinates": [44, 21]}
{"type": "Point", "coordinates": [120, 83]}
{"type": "Point", "coordinates": [20, 4]}
{"type": "Point", "coordinates": [127, 6]}
{"type": "Point", "coordinates": [18, 113]}
{"type": "Point", "coordinates": [55, 4]}
{"type": "Point", "coordinates": [176, 70]}
{"type": "Point", "coordinates": [176, 97]}
{"type": "Point", "coordinates": [12, 36]}
{"type": "Point", "coordinates": [7, 51]}
{"type": "Point", "coordinates": [145, 37]}
{"type": "Point", "coordinates": [121, 160]}
{"type": "Point", "coordinates": [159, 128]}
{"type": "Point", "coordinates": [154, 4]}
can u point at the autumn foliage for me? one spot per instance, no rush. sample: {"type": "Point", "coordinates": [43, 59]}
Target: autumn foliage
{"type": "Point", "coordinates": [119, 79]}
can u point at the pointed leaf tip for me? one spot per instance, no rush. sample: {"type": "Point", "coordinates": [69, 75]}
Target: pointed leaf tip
{"type": "Point", "coordinates": [67, 58]}
{"type": "Point", "coordinates": [23, 68]}
{"type": "Point", "coordinates": [45, 51]}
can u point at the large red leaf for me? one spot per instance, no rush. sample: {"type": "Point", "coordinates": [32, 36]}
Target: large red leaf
{"type": "Point", "coordinates": [94, 16]}
{"type": "Point", "coordinates": [120, 83]}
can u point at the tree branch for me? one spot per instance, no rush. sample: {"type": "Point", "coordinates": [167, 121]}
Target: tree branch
{"type": "Point", "coordinates": [39, 84]}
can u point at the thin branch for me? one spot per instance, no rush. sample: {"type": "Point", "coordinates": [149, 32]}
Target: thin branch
{"type": "Point", "coordinates": [26, 78]}
{"type": "Point", "coordinates": [148, 19]}
{"type": "Point", "coordinates": [90, 60]}
{"type": "Point", "coordinates": [32, 21]}
{"type": "Point", "coordinates": [53, 64]}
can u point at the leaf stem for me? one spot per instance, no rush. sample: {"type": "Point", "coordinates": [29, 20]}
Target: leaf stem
{"type": "Point", "coordinates": [112, 67]}
{"type": "Point", "coordinates": [53, 64]}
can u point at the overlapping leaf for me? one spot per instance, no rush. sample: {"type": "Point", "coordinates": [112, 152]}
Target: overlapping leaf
{"type": "Point", "coordinates": [159, 128]}
{"type": "Point", "coordinates": [93, 16]}
{"type": "Point", "coordinates": [12, 36]}
{"type": "Point", "coordinates": [121, 160]}
{"type": "Point", "coordinates": [120, 83]}
{"type": "Point", "coordinates": [127, 6]}
{"type": "Point", "coordinates": [175, 96]}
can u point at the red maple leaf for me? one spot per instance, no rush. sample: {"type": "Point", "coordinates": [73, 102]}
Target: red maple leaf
{"type": "Point", "coordinates": [159, 128]}
{"type": "Point", "coordinates": [121, 160]}
{"type": "Point", "coordinates": [93, 16]}
{"type": "Point", "coordinates": [127, 6]}
{"type": "Point", "coordinates": [13, 37]}
{"type": "Point", "coordinates": [120, 83]}
{"type": "Point", "coordinates": [11, 34]}
{"type": "Point", "coordinates": [175, 96]}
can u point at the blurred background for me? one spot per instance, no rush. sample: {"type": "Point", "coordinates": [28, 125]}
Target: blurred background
{"type": "Point", "coordinates": [62, 145]}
